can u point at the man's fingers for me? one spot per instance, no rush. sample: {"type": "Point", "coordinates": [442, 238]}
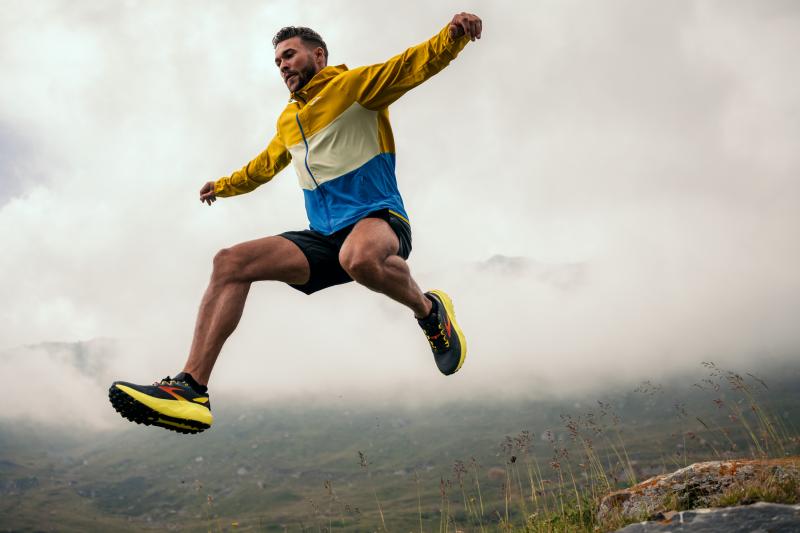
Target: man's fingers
{"type": "Point", "coordinates": [207, 193]}
{"type": "Point", "coordinates": [465, 28]}
{"type": "Point", "coordinates": [475, 26]}
{"type": "Point", "coordinates": [466, 23]}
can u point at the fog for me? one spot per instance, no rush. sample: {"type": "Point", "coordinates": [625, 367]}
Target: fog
{"type": "Point", "coordinates": [609, 191]}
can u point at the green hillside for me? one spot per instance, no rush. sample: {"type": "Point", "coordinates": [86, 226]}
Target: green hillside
{"type": "Point", "coordinates": [297, 467]}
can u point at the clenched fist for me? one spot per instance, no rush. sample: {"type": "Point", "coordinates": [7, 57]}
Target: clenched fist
{"type": "Point", "coordinates": [466, 23]}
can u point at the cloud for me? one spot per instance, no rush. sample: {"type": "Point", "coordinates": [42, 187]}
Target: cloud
{"type": "Point", "coordinates": [638, 158]}
{"type": "Point", "coordinates": [58, 384]}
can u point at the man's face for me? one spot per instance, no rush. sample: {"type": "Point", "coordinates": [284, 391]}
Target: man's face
{"type": "Point", "coordinates": [296, 63]}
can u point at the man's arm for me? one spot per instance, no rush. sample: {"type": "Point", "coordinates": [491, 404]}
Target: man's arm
{"type": "Point", "coordinates": [382, 84]}
{"type": "Point", "coordinates": [257, 172]}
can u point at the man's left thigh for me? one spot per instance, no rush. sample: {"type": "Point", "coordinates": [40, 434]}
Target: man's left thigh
{"type": "Point", "coordinates": [376, 237]}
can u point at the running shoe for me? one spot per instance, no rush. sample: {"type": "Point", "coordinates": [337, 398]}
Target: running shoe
{"type": "Point", "coordinates": [445, 337]}
{"type": "Point", "coordinates": [171, 404]}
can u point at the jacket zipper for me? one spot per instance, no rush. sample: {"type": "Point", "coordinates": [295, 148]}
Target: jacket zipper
{"type": "Point", "coordinates": [321, 192]}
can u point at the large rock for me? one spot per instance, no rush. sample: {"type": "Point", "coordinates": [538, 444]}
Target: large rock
{"type": "Point", "coordinates": [694, 487]}
{"type": "Point", "coordinates": [759, 517]}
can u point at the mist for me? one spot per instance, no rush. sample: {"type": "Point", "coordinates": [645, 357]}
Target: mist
{"type": "Point", "coordinates": [608, 191]}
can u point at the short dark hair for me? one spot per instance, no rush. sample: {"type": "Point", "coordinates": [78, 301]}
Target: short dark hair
{"type": "Point", "coordinates": [307, 35]}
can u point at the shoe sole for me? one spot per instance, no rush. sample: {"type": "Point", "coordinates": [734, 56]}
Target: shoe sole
{"type": "Point", "coordinates": [448, 306]}
{"type": "Point", "coordinates": [136, 411]}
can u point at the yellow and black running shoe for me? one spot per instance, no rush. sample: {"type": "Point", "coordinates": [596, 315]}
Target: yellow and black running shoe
{"type": "Point", "coordinates": [447, 341]}
{"type": "Point", "coordinates": [171, 404]}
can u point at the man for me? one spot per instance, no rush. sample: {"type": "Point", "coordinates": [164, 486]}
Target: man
{"type": "Point", "coordinates": [335, 130]}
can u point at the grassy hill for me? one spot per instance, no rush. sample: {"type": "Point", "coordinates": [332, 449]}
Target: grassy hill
{"type": "Point", "coordinates": [358, 466]}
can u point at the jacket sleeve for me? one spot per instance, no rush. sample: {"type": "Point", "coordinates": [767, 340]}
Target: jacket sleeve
{"type": "Point", "coordinates": [257, 172]}
{"type": "Point", "coordinates": [382, 84]}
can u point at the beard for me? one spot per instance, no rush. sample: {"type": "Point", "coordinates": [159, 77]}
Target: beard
{"type": "Point", "coordinates": [304, 75]}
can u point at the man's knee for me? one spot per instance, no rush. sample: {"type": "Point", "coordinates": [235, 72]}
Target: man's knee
{"type": "Point", "coordinates": [365, 268]}
{"type": "Point", "coordinates": [226, 264]}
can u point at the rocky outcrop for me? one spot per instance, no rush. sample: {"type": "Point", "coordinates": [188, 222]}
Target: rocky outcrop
{"type": "Point", "coordinates": [695, 486]}
{"type": "Point", "coordinates": [766, 517]}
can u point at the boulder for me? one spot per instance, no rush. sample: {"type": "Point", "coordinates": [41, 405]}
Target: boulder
{"type": "Point", "coordinates": [695, 486]}
{"type": "Point", "coordinates": [759, 517]}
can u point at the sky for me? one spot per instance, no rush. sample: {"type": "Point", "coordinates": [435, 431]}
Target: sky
{"type": "Point", "coordinates": [608, 190]}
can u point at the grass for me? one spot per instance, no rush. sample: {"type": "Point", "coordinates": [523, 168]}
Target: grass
{"type": "Point", "coordinates": [553, 482]}
{"type": "Point", "coordinates": [768, 488]}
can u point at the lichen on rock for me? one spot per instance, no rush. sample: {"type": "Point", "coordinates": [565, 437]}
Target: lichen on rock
{"type": "Point", "coordinates": [696, 486]}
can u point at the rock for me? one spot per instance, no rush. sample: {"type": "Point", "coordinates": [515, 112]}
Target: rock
{"type": "Point", "coordinates": [759, 517]}
{"type": "Point", "coordinates": [693, 487]}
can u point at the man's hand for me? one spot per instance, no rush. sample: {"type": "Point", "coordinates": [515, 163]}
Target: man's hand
{"type": "Point", "coordinates": [207, 193]}
{"type": "Point", "coordinates": [466, 23]}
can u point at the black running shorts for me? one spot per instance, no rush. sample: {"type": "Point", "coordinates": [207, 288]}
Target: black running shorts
{"type": "Point", "coordinates": [322, 251]}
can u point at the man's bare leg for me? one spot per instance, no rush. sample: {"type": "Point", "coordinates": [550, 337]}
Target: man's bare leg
{"type": "Point", "coordinates": [235, 268]}
{"type": "Point", "coordinates": [369, 256]}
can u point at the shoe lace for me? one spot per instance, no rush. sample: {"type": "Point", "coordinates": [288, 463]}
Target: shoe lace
{"type": "Point", "coordinates": [437, 337]}
{"type": "Point", "coordinates": [168, 381]}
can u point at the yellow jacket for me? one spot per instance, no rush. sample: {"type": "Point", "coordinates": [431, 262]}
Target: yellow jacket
{"type": "Point", "coordinates": [336, 131]}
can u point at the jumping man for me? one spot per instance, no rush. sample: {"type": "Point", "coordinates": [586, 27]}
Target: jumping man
{"type": "Point", "coordinates": [336, 132]}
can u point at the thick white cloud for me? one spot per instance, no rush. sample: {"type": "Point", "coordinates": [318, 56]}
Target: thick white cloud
{"type": "Point", "coordinates": [652, 144]}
